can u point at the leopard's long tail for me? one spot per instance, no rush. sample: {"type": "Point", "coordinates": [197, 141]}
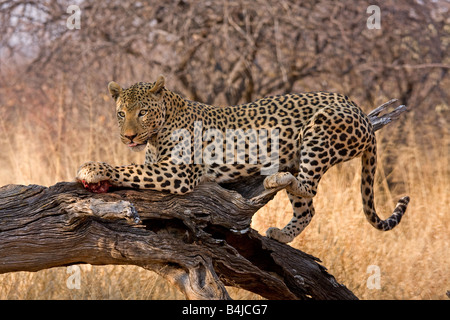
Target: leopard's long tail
{"type": "Point", "coordinates": [369, 164]}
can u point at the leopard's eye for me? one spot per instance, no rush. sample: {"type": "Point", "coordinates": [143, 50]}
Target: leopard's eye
{"type": "Point", "coordinates": [121, 114]}
{"type": "Point", "coordinates": [143, 112]}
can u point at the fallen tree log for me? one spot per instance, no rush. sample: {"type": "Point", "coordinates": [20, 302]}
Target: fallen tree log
{"type": "Point", "coordinates": [201, 241]}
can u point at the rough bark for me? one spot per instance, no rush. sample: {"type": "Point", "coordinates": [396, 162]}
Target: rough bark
{"type": "Point", "coordinates": [201, 241]}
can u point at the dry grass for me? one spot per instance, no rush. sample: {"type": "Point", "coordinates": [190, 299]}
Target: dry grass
{"type": "Point", "coordinates": [46, 145]}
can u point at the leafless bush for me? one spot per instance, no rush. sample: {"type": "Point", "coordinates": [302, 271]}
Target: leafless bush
{"type": "Point", "coordinates": [227, 52]}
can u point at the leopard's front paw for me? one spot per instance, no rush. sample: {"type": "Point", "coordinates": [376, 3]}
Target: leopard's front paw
{"type": "Point", "coordinates": [95, 176]}
{"type": "Point", "coordinates": [279, 235]}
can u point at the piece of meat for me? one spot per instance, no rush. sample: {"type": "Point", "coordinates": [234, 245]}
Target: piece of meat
{"type": "Point", "coordinates": [99, 187]}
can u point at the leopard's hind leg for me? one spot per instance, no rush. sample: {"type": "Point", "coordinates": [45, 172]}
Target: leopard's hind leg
{"type": "Point", "coordinates": [349, 135]}
{"type": "Point", "coordinates": [324, 143]}
{"type": "Point", "coordinates": [303, 211]}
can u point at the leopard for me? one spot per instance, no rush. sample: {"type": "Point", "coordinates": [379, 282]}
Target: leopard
{"type": "Point", "coordinates": [310, 133]}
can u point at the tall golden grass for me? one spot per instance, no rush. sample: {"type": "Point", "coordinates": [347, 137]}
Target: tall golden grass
{"type": "Point", "coordinates": [46, 144]}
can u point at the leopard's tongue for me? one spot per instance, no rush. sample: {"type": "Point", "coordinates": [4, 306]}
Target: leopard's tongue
{"type": "Point", "coordinates": [134, 144]}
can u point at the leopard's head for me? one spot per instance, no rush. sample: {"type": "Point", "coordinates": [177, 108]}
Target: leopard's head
{"type": "Point", "coordinates": [140, 111]}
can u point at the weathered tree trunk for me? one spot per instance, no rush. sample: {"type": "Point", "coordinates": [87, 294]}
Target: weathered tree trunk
{"type": "Point", "coordinates": [201, 241]}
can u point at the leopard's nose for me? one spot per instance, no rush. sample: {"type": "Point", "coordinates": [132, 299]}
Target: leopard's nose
{"type": "Point", "coordinates": [131, 137]}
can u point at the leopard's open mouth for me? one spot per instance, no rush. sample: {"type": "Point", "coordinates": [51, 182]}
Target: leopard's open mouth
{"type": "Point", "coordinates": [137, 146]}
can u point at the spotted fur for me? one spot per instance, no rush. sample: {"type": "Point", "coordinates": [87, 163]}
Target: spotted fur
{"type": "Point", "coordinates": [316, 131]}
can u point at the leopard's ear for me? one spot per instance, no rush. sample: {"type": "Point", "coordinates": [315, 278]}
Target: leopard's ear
{"type": "Point", "coordinates": [159, 85]}
{"type": "Point", "coordinates": [114, 89]}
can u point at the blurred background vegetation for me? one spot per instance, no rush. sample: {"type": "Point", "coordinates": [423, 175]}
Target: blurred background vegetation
{"type": "Point", "coordinates": [55, 112]}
